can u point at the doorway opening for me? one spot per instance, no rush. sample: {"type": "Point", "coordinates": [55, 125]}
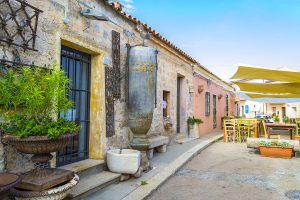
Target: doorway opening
{"type": "Point", "coordinates": [77, 67]}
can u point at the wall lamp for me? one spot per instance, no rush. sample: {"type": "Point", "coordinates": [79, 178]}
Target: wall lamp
{"type": "Point", "coordinates": [94, 14]}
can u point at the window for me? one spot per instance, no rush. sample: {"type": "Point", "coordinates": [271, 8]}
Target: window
{"type": "Point", "coordinates": [273, 111]}
{"type": "Point", "coordinates": [166, 103]}
{"type": "Point", "coordinates": [214, 111]}
{"type": "Point", "coordinates": [207, 104]}
{"type": "Point", "coordinates": [227, 106]}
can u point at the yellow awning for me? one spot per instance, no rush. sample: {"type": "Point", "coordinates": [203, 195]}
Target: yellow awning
{"type": "Point", "coordinates": [254, 73]}
{"type": "Point", "coordinates": [275, 88]}
{"type": "Point", "coordinates": [255, 96]}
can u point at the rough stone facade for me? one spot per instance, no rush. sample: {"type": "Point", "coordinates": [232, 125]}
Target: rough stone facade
{"type": "Point", "coordinates": [62, 24]}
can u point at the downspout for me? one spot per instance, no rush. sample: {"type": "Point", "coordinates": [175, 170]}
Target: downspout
{"type": "Point", "coordinates": [156, 69]}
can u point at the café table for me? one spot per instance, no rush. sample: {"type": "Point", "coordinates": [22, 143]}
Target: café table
{"type": "Point", "coordinates": [281, 126]}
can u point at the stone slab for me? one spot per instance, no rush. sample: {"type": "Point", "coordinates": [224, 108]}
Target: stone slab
{"type": "Point", "coordinates": [92, 183]}
{"type": "Point", "coordinates": [81, 166]}
{"type": "Point", "coordinates": [156, 141]}
{"type": "Point", "coordinates": [51, 177]}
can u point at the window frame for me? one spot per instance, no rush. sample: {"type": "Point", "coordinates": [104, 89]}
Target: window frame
{"type": "Point", "coordinates": [207, 103]}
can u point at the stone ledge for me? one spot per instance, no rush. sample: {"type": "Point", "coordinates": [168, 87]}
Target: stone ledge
{"type": "Point", "coordinates": [156, 141]}
{"type": "Point", "coordinates": [93, 183]}
{"type": "Point", "coordinates": [81, 166]}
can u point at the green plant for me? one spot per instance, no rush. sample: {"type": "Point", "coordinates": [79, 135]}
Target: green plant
{"type": "Point", "coordinates": [193, 120]}
{"type": "Point", "coordinates": [198, 121]}
{"type": "Point", "coordinates": [276, 118]}
{"type": "Point", "coordinates": [286, 119]}
{"type": "Point", "coordinates": [144, 183]}
{"type": "Point", "coordinates": [32, 101]}
{"type": "Point", "coordinates": [275, 143]}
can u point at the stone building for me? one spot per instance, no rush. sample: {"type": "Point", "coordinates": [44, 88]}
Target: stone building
{"type": "Point", "coordinates": [92, 47]}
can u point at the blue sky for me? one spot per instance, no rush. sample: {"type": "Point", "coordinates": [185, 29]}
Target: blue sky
{"type": "Point", "coordinates": [222, 33]}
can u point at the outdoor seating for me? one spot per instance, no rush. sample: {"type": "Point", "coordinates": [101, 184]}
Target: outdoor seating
{"type": "Point", "coordinates": [297, 130]}
{"type": "Point", "coordinates": [230, 130]}
{"type": "Point", "coordinates": [238, 130]}
{"type": "Point", "coordinates": [246, 129]}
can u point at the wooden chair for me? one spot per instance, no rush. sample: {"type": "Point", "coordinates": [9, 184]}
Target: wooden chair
{"type": "Point", "coordinates": [244, 129]}
{"type": "Point", "coordinates": [253, 126]}
{"type": "Point", "coordinates": [230, 130]}
{"type": "Point", "coordinates": [297, 130]}
{"type": "Point", "coordinates": [264, 128]}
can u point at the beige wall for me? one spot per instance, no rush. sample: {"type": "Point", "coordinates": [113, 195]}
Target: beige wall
{"type": "Point", "coordinates": [94, 37]}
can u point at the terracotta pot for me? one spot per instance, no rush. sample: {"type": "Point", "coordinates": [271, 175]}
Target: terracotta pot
{"type": "Point", "coordinates": [276, 152]}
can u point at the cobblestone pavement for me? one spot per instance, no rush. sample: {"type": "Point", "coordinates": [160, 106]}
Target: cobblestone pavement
{"type": "Point", "coordinates": [231, 171]}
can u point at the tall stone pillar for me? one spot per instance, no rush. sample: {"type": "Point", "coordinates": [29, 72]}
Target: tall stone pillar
{"type": "Point", "coordinates": [142, 67]}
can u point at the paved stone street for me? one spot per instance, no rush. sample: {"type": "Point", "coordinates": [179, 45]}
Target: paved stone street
{"type": "Point", "coordinates": [231, 171]}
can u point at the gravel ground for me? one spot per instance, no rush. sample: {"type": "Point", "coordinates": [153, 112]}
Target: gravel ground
{"type": "Point", "coordinates": [231, 171]}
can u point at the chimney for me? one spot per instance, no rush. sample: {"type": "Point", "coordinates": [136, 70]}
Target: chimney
{"type": "Point", "coordinates": [117, 5]}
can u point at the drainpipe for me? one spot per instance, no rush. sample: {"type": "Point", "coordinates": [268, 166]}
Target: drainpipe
{"type": "Point", "coordinates": [156, 69]}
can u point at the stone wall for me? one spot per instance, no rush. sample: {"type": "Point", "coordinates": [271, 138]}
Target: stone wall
{"type": "Point", "coordinates": [62, 24]}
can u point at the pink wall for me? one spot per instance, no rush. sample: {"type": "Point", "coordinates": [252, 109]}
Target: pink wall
{"type": "Point", "coordinates": [199, 104]}
{"type": "Point", "coordinates": [183, 105]}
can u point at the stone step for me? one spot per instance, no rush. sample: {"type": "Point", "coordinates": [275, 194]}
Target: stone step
{"type": "Point", "coordinates": [86, 167]}
{"type": "Point", "coordinates": [92, 183]}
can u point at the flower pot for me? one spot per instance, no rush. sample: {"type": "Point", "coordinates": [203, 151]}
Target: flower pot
{"type": "Point", "coordinates": [42, 177]}
{"type": "Point", "coordinates": [193, 131]}
{"type": "Point", "coordinates": [276, 152]}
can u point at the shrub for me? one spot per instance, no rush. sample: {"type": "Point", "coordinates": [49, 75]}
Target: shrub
{"type": "Point", "coordinates": [193, 120]}
{"type": "Point", "coordinates": [276, 118]}
{"type": "Point", "coordinates": [32, 100]}
{"type": "Point", "coordinates": [274, 143]}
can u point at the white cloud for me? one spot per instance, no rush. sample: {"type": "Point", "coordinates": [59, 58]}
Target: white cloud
{"type": "Point", "coordinates": [128, 1]}
{"type": "Point", "coordinates": [128, 6]}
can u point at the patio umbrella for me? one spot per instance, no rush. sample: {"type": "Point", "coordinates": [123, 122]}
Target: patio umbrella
{"type": "Point", "coordinates": [281, 83]}
{"type": "Point", "coordinates": [273, 88]}
{"type": "Point", "coordinates": [278, 95]}
{"type": "Point", "coordinates": [267, 99]}
{"type": "Point", "coordinates": [254, 73]}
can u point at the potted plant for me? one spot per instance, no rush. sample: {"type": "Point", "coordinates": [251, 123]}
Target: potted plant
{"type": "Point", "coordinates": [33, 103]}
{"type": "Point", "coordinates": [276, 119]}
{"type": "Point", "coordinates": [193, 124]}
{"type": "Point", "coordinates": [276, 149]}
{"type": "Point", "coordinates": [190, 122]}
{"type": "Point", "coordinates": [286, 119]}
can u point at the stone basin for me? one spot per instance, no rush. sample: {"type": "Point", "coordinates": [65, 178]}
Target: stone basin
{"type": "Point", "coordinates": [123, 161]}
